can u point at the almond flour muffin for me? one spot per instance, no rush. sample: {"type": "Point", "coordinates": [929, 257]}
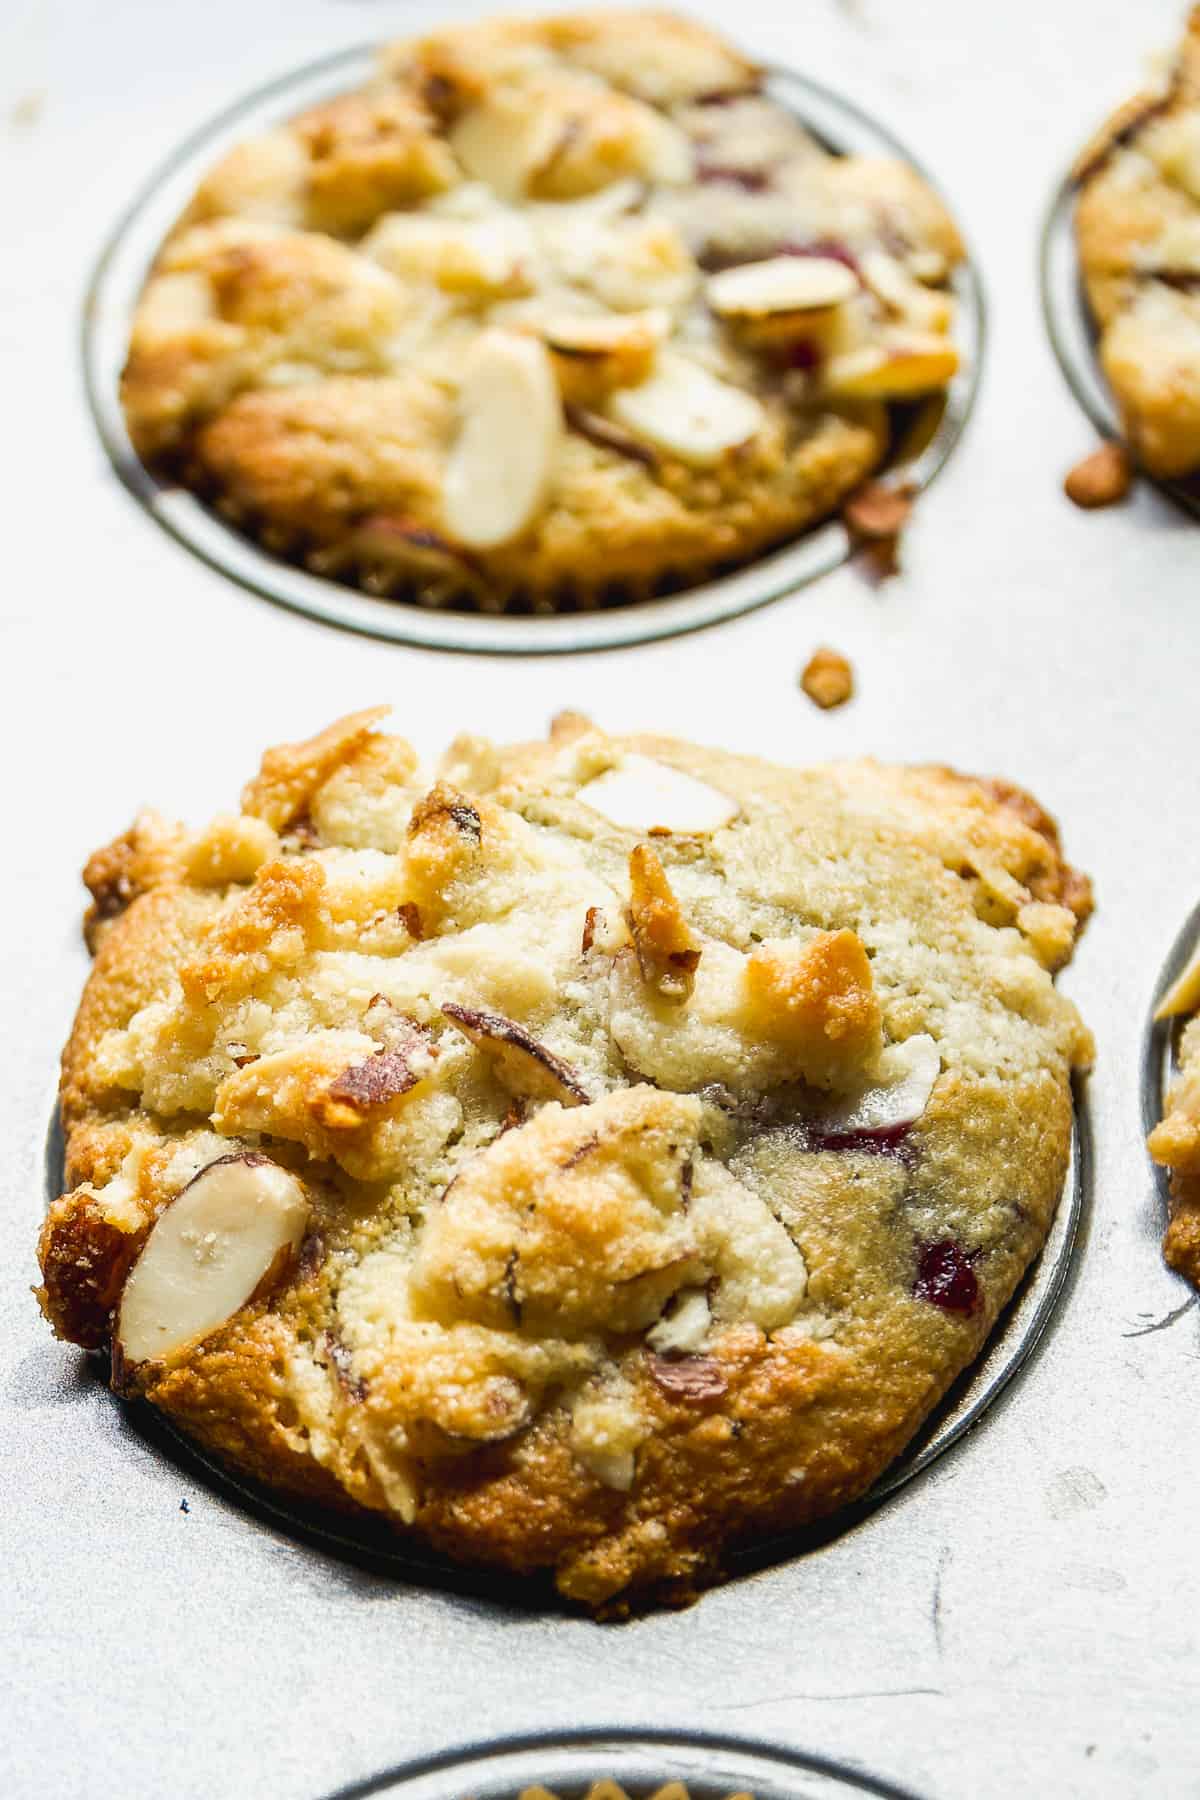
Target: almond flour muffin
{"type": "Point", "coordinates": [1137, 226]}
{"type": "Point", "coordinates": [594, 1154]}
{"type": "Point", "coordinates": [1175, 1142]}
{"type": "Point", "coordinates": [556, 311]}
{"type": "Point", "coordinates": [607, 1789]}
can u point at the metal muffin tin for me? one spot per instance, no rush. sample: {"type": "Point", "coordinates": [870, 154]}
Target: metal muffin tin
{"type": "Point", "coordinates": [1020, 1620]}
{"type": "Point", "coordinates": [712, 1768]}
{"type": "Point", "coordinates": [121, 273]}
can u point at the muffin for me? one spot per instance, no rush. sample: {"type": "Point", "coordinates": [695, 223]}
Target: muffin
{"type": "Point", "coordinates": [555, 312]}
{"type": "Point", "coordinates": [587, 1157]}
{"type": "Point", "coordinates": [608, 1789]}
{"type": "Point", "coordinates": [1137, 225]}
{"type": "Point", "coordinates": [1175, 1141]}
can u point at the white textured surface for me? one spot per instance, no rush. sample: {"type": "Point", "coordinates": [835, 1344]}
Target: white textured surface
{"type": "Point", "coordinates": [1020, 1620]}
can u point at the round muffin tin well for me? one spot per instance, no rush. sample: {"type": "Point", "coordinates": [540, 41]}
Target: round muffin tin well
{"type": "Point", "coordinates": [568, 1764]}
{"type": "Point", "coordinates": [1073, 334]}
{"type": "Point", "coordinates": [122, 271]}
{"type": "Point", "coordinates": [374, 1545]}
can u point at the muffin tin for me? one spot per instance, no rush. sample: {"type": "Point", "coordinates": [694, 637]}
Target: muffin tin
{"type": "Point", "coordinates": [1020, 1619]}
{"type": "Point", "coordinates": [931, 432]}
{"type": "Point", "coordinates": [711, 1768]}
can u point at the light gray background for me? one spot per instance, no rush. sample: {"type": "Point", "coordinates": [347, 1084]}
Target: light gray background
{"type": "Point", "coordinates": [1023, 1619]}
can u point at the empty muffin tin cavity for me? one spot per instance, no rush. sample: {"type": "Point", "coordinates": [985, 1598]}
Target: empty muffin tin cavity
{"type": "Point", "coordinates": [923, 435]}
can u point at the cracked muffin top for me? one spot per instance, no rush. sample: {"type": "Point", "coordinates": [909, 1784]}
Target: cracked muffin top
{"type": "Point", "coordinates": [1175, 1141]}
{"type": "Point", "coordinates": [555, 311]}
{"type": "Point", "coordinates": [1137, 225]}
{"type": "Point", "coordinates": [587, 1156]}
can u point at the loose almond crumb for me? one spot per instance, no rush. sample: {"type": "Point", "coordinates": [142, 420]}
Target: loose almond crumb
{"type": "Point", "coordinates": [828, 678]}
{"type": "Point", "coordinates": [1101, 479]}
{"type": "Point", "coordinates": [875, 516]}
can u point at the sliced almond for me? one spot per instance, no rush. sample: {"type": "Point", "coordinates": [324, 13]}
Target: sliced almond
{"type": "Point", "coordinates": [606, 434]}
{"type": "Point", "coordinates": [596, 352]}
{"type": "Point", "coordinates": [891, 282]}
{"type": "Point", "coordinates": [600, 135]}
{"type": "Point", "coordinates": [782, 284]}
{"type": "Point", "coordinates": [609, 202]}
{"type": "Point", "coordinates": [647, 796]}
{"type": "Point", "coordinates": [523, 1065]}
{"type": "Point", "coordinates": [604, 334]}
{"type": "Point", "coordinates": [1183, 995]}
{"type": "Point", "coordinates": [502, 142]}
{"type": "Point", "coordinates": [692, 1379]}
{"type": "Point", "coordinates": [605, 931]}
{"type": "Point", "coordinates": [686, 412]}
{"type": "Point", "coordinates": [240, 1219]}
{"type": "Point", "coordinates": [668, 950]}
{"type": "Point", "coordinates": [87, 1247]}
{"type": "Point", "coordinates": [407, 545]}
{"type": "Point", "coordinates": [488, 256]}
{"type": "Point", "coordinates": [909, 1071]}
{"type": "Point", "coordinates": [511, 426]}
{"type": "Point", "coordinates": [916, 363]}
{"type": "Point", "coordinates": [500, 1410]}
{"type": "Point", "coordinates": [405, 1058]}
{"type": "Point", "coordinates": [1175, 248]}
{"type": "Point", "coordinates": [667, 155]}
{"type": "Point", "coordinates": [926, 265]}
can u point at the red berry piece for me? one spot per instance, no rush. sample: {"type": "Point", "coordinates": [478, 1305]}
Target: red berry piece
{"type": "Point", "coordinates": [802, 354]}
{"type": "Point", "coordinates": [945, 1277]}
{"type": "Point", "coordinates": [888, 1140]}
{"type": "Point", "coordinates": [752, 181]}
{"type": "Point", "coordinates": [825, 247]}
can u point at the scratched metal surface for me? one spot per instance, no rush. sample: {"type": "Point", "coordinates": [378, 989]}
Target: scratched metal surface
{"type": "Point", "coordinates": [1018, 1619]}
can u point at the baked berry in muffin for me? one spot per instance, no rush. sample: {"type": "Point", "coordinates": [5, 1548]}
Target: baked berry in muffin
{"type": "Point", "coordinates": [555, 311]}
{"type": "Point", "coordinates": [1138, 230]}
{"type": "Point", "coordinates": [588, 1156]}
{"type": "Point", "coordinates": [1175, 1141]}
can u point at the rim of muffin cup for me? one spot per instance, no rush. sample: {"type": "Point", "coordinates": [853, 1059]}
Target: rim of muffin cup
{"type": "Point", "coordinates": [711, 1765]}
